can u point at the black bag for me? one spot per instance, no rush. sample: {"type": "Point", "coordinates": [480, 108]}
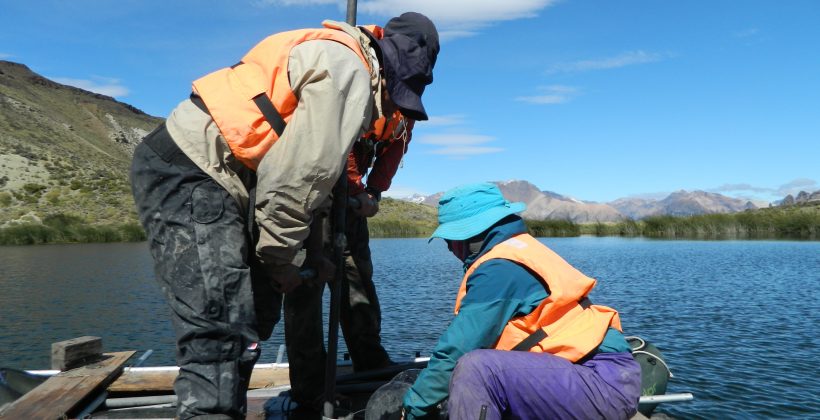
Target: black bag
{"type": "Point", "coordinates": [386, 402]}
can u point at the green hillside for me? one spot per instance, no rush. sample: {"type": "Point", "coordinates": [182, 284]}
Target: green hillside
{"type": "Point", "coordinates": [397, 218]}
{"type": "Point", "coordinates": [64, 157]}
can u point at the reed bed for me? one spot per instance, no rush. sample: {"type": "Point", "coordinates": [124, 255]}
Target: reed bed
{"type": "Point", "coordinates": [60, 228]}
{"type": "Point", "coordinates": [792, 222]}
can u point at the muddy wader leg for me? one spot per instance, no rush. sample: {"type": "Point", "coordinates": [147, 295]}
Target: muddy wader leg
{"type": "Point", "coordinates": [360, 311]}
{"type": "Point", "coordinates": [198, 239]}
{"type": "Point", "coordinates": [524, 385]}
{"type": "Point", "coordinates": [304, 338]}
{"type": "Point", "coordinates": [304, 332]}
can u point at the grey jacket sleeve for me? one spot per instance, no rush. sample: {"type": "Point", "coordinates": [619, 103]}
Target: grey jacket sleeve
{"type": "Point", "coordinates": [299, 171]}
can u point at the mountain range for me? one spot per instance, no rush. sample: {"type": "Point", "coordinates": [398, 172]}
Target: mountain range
{"type": "Point", "coordinates": [64, 150]}
{"type": "Point", "coordinates": [550, 205]}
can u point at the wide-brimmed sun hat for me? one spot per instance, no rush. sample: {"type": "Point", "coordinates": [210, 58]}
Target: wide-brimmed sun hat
{"type": "Point", "coordinates": [466, 211]}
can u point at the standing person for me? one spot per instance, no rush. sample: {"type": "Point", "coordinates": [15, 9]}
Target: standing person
{"type": "Point", "coordinates": [360, 313]}
{"type": "Point", "coordinates": [383, 150]}
{"type": "Point", "coordinates": [384, 145]}
{"type": "Point", "coordinates": [227, 186]}
{"type": "Point", "coordinates": [526, 341]}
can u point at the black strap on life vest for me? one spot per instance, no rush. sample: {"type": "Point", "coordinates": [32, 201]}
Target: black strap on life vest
{"type": "Point", "coordinates": [533, 339]}
{"type": "Point", "coordinates": [539, 334]}
{"type": "Point", "coordinates": [271, 114]}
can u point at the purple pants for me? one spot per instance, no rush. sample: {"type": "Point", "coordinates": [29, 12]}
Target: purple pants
{"type": "Point", "coordinates": [524, 385]}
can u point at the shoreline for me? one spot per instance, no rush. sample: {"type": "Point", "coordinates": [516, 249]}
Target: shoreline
{"type": "Point", "coordinates": [586, 231]}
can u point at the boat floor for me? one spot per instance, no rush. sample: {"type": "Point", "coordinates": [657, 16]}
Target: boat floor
{"type": "Point", "coordinates": [272, 404]}
{"type": "Point", "coordinates": [267, 407]}
{"type": "Point", "coordinates": [267, 399]}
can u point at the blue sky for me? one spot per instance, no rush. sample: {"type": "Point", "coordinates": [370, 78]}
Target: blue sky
{"type": "Point", "coordinates": [593, 99]}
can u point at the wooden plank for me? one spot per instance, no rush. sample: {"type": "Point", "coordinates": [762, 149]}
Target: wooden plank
{"type": "Point", "coordinates": [76, 352]}
{"type": "Point", "coordinates": [163, 380]}
{"type": "Point", "coordinates": [150, 381]}
{"type": "Point", "coordinates": [63, 394]}
{"type": "Point", "coordinates": [268, 378]}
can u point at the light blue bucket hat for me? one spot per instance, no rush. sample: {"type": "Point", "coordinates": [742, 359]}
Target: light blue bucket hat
{"type": "Point", "coordinates": [466, 211]}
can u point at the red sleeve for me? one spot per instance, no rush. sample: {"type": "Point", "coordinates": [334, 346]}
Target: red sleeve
{"type": "Point", "coordinates": [355, 184]}
{"type": "Point", "coordinates": [388, 158]}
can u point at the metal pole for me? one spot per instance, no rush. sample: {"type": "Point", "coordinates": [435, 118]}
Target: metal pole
{"type": "Point", "coordinates": [351, 12]}
{"type": "Point", "coordinates": [647, 399]}
{"type": "Point", "coordinates": [339, 244]}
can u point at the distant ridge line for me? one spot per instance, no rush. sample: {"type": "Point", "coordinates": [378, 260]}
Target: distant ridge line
{"type": "Point", "coordinates": [37, 79]}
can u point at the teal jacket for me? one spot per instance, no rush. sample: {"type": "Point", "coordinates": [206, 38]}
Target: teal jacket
{"type": "Point", "coordinates": [497, 291]}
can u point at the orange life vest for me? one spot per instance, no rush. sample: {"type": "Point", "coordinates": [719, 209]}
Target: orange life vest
{"type": "Point", "coordinates": [573, 327]}
{"type": "Point", "coordinates": [228, 93]}
{"type": "Point", "coordinates": [384, 129]}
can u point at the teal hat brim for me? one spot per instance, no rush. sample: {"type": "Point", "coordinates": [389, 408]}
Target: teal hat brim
{"type": "Point", "coordinates": [462, 229]}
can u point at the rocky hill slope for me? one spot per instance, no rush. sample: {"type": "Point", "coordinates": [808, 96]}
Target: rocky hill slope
{"type": "Point", "coordinates": [542, 205]}
{"type": "Point", "coordinates": [64, 150]}
{"type": "Point", "coordinates": [803, 197]}
{"type": "Point", "coordinates": [681, 203]}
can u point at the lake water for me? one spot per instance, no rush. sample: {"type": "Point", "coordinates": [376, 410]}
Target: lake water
{"type": "Point", "coordinates": [737, 321]}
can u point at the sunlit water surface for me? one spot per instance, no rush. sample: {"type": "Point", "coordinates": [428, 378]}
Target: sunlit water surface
{"type": "Point", "coordinates": [737, 321]}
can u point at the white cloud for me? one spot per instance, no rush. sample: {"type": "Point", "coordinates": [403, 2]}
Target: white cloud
{"type": "Point", "coordinates": [741, 187]}
{"type": "Point", "coordinates": [298, 2]}
{"type": "Point", "coordinates": [443, 120]}
{"type": "Point", "coordinates": [556, 94]}
{"type": "Point", "coordinates": [450, 34]}
{"type": "Point", "coordinates": [543, 99]}
{"type": "Point", "coordinates": [453, 18]}
{"type": "Point", "coordinates": [459, 11]}
{"type": "Point", "coordinates": [102, 85]}
{"type": "Point", "coordinates": [460, 145]}
{"type": "Point", "coordinates": [622, 60]}
{"type": "Point", "coordinates": [4, 56]}
{"type": "Point", "coordinates": [801, 184]}
{"type": "Point", "coordinates": [746, 33]}
{"type": "Point", "coordinates": [455, 139]}
{"type": "Point", "coordinates": [752, 192]}
{"type": "Point", "coordinates": [464, 151]}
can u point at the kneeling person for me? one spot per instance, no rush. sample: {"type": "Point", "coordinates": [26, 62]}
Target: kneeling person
{"type": "Point", "coordinates": [526, 341]}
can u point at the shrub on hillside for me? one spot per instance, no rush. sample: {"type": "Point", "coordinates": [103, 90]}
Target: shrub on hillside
{"type": "Point", "coordinates": [5, 198]}
{"type": "Point", "coordinates": [34, 189]}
